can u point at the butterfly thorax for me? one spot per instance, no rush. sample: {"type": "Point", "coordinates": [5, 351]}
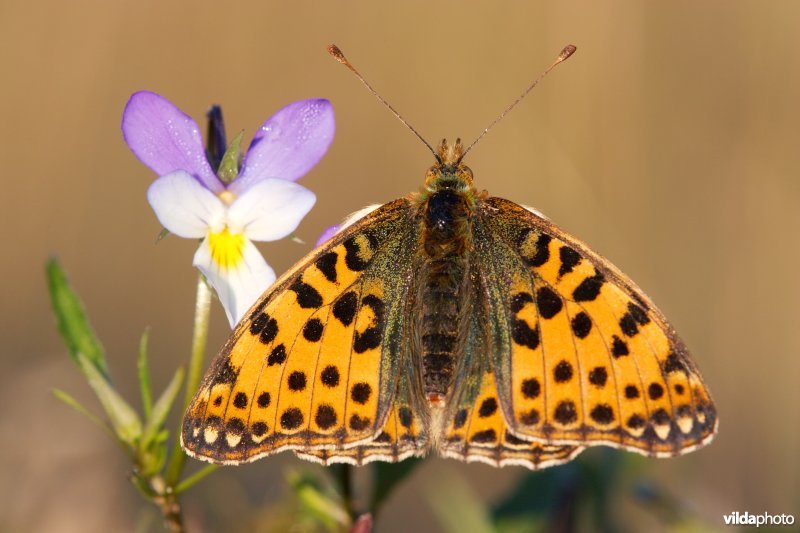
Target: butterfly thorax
{"type": "Point", "coordinates": [446, 207]}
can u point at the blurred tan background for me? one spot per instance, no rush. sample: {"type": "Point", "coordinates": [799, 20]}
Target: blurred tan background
{"type": "Point", "coordinates": [669, 142]}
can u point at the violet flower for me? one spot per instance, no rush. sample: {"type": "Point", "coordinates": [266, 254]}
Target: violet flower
{"type": "Point", "coordinates": [262, 203]}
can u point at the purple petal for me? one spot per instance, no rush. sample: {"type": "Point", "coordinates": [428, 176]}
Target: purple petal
{"type": "Point", "coordinates": [288, 144]}
{"type": "Point", "coordinates": [327, 234]}
{"type": "Point", "coordinates": [166, 139]}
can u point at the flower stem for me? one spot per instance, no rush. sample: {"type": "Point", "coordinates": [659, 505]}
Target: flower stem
{"type": "Point", "coordinates": [202, 311]}
{"type": "Point", "coordinates": [167, 501]}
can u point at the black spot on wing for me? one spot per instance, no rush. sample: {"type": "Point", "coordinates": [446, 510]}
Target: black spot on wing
{"type": "Point", "coordinates": [565, 412]}
{"type": "Point", "coordinates": [602, 414]}
{"type": "Point", "coordinates": [460, 419]}
{"type": "Point", "coordinates": [542, 254]}
{"type": "Point", "coordinates": [325, 417]}
{"type": "Point", "coordinates": [344, 310]}
{"type": "Point", "coordinates": [589, 288]}
{"type": "Point", "coordinates": [371, 337]}
{"type": "Point", "coordinates": [240, 400]}
{"type": "Point", "coordinates": [326, 263]}
{"type": "Point", "coordinates": [548, 302]}
{"type": "Point", "coordinates": [618, 347]}
{"type": "Point", "coordinates": [523, 335]}
{"type": "Point", "coordinates": [404, 413]}
{"type": "Point", "coordinates": [312, 331]}
{"type": "Point", "coordinates": [486, 436]}
{"type": "Point", "coordinates": [531, 388]}
{"type": "Point", "coordinates": [291, 418]}
{"type": "Point", "coordinates": [277, 356]}
{"type": "Point", "coordinates": [581, 325]}
{"type": "Point", "coordinates": [307, 296]}
{"type": "Point", "coordinates": [569, 259]}
{"type": "Point", "coordinates": [487, 408]}
{"type": "Point", "coordinates": [598, 376]}
{"type": "Point", "coordinates": [226, 374]}
{"type": "Point", "coordinates": [519, 300]}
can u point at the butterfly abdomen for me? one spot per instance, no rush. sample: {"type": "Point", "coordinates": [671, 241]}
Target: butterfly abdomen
{"type": "Point", "coordinates": [443, 288]}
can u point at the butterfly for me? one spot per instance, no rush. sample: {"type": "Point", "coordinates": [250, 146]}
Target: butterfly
{"type": "Point", "coordinates": [451, 322]}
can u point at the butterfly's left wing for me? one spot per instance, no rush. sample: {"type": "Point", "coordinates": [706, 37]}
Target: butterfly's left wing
{"type": "Point", "coordinates": [314, 364]}
{"type": "Point", "coordinates": [580, 355]}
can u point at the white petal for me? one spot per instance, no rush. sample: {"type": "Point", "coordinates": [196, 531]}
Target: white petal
{"type": "Point", "coordinates": [535, 212]}
{"type": "Point", "coordinates": [237, 287]}
{"type": "Point", "coordinates": [184, 206]}
{"type": "Point", "coordinates": [270, 210]}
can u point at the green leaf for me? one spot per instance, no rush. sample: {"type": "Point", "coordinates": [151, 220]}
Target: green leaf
{"type": "Point", "coordinates": [195, 478]}
{"type": "Point", "coordinates": [155, 421]}
{"type": "Point", "coordinates": [72, 322]}
{"type": "Point", "coordinates": [144, 375]}
{"type": "Point", "coordinates": [229, 167]}
{"type": "Point", "coordinates": [316, 504]}
{"type": "Point", "coordinates": [75, 404]}
{"type": "Point", "coordinates": [124, 419]}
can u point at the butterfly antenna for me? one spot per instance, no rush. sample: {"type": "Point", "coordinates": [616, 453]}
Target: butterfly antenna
{"type": "Point", "coordinates": [565, 53]}
{"type": "Point", "coordinates": [339, 56]}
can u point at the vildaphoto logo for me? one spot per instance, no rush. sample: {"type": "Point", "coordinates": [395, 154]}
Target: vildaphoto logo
{"type": "Point", "coordinates": [764, 519]}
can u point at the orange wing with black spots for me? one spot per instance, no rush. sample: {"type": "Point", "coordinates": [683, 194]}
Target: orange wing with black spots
{"type": "Point", "coordinates": [314, 364]}
{"type": "Point", "coordinates": [582, 356]}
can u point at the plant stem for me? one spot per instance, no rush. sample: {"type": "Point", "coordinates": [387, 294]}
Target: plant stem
{"type": "Point", "coordinates": [168, 502]}
{"type": "Point", "coordinates": [202, 311]}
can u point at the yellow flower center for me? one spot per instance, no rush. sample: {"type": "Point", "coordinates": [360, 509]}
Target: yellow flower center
{"type": "Point", "coordinates": [226, 248]}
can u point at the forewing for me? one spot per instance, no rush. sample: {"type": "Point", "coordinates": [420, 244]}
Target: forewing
{"type": "Point", "coordinates": [313, 365]}
{"type": "Point", "coordinates": [581, 355]}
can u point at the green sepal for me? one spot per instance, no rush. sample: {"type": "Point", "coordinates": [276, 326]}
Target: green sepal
{"type": "Point", "coordinates": [72, 321]}
{"type": "Point", "coordinates": [161, 234]}
{"type": "Point", "coordinates": [229, 167]}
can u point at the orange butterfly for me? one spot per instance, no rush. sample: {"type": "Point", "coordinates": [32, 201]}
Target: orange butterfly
{"type": "Point", "coordinates": [454, 322]}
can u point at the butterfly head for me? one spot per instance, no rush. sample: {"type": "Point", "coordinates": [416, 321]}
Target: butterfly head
{"type": "Point", "coordinates": [449, 172]}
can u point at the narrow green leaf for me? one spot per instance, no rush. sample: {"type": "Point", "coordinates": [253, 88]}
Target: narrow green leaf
{"type": "Point", "coordinates": [314, 503]}
{"type": "Point", "coordinates": [75, 404]}
{"type": "Point", "coordinates": [229, 167]}
{"type": "Point", "coordinates": [124, 419]}
{"type": "Point", "coordinates": [155, 422]}
{"type": "Point", "coordinates": [144, 375]}
{"type": "Point", "coordinates": [72, 321]}
{"type": "Point", "coordinates": [194, 479]}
